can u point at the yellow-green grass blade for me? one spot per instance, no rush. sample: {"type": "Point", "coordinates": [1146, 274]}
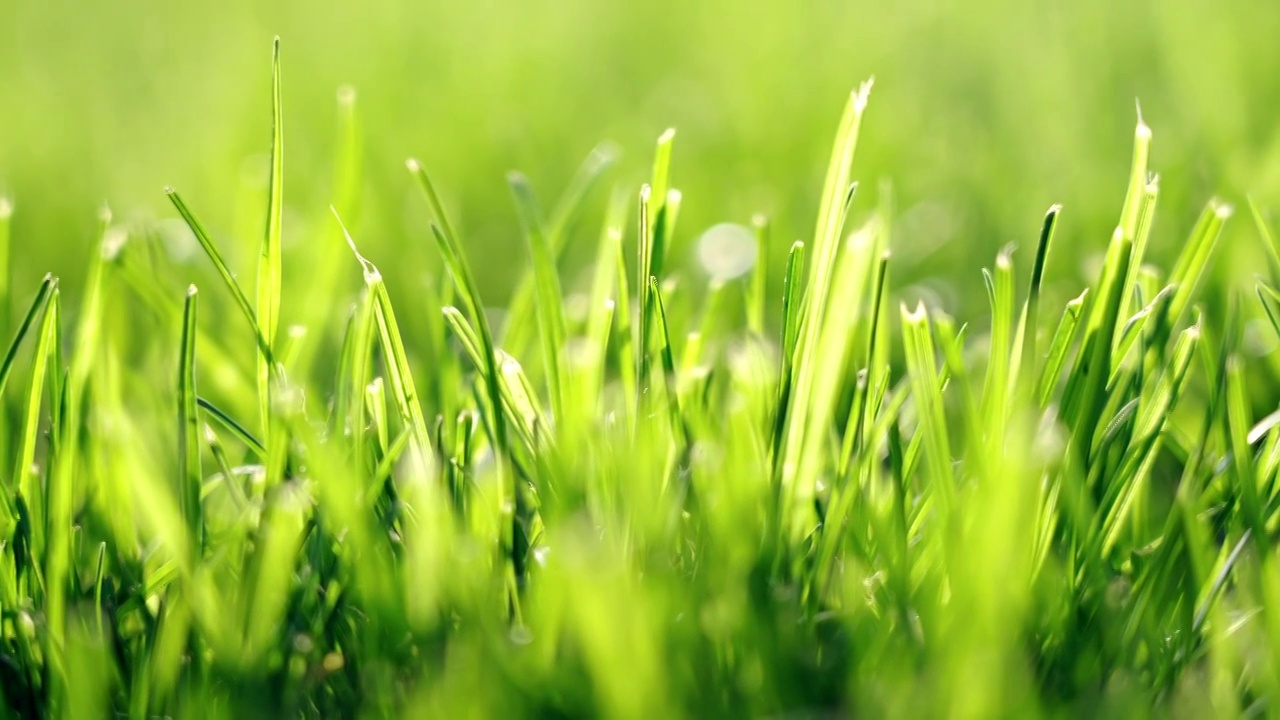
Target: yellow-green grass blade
{"type": "Point", "coordinates": [926, 393]}
{"type": "Point", "coordinates": [517, 327]}
{"type": "Point", "coordinates": [548, 299]}
{"type": "Point", "coordinates": [812, 368]}
{"type": "Point", "coordinates": [30, 486]}
{"type": "Point", "coordinates": [242, 433]}
{"type": "Point", "coordinates": [1087, 397]}
{"type": "Point", "coordinates": [1131, 479]}
{"type": "Point", "coordinates": [1059, 346]}
{"type": "Point", "coordinates": [228, 278]}
{"type": "Point", "coordinates": [269, 260]}
{"type": "Point", "coordinates": [756, 295]}
{"type": "Point", "coordinates": [1000, 356]}
{"type": "Point", "coordinates": [1026, 354]}
{"type": "Point", "coordinates": [190, 477]}
{"type": "Point", "coordinates": [1193, 262]}
{"type": "Point", "coordinates": [669, 368]}
{"type": "Point", "coordinates": [1268, 239]}
{"type": "Point", "coordinates": [403, 390]}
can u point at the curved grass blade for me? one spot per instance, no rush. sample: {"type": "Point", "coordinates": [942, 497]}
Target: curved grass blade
{"type": "Point", "coordinates": [29, 486]}
{"type": "Point", "coordinates": [1059, 346]}
{"type": "Point", "coordinates": [403, 391]}
{"type": "Point", "coordinates": [242, 434]}
{"type": "Point", "coordinates": [1028, 329]}
{"type": "Point", "coordinates": [228, 278]}
{"type": "Point", "coordinates": [190, 477]}
{"type": "Point", "coordinates": [47, 286]}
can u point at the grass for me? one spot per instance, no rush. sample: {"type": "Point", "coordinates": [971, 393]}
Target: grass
{"type": "Point", "coordinates": [838, 501]}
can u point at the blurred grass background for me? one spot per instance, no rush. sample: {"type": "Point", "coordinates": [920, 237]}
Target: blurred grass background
{"type": "Point", "coordinates": [984, 113]}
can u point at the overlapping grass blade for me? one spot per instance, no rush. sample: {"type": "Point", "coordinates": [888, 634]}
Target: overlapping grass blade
{"type": "Point", "coordinates": [548, 299]}
{"type": "Point", "coordinates": [228, 278]}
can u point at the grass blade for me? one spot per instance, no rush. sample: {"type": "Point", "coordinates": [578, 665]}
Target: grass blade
{"type": "Point", "coordinates": [211, 250]}
{"type": "Point", "coordinates": [269, 261]}
{"type": "Point", "coordinates": [190, 477]}
{"type": "Point", "coordinates": [547, 291]}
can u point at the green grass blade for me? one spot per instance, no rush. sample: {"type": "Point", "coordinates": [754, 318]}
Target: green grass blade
{"type": "Point", "coordinates": [516, 328]}
{"type": "Point", "coordinates": [759, 276]}
{"type": "Point", "coordinates": [669, 368]}
{"type": "Point", "coordinates": [29, 483]}
{"type": "Point", "coordinates": [228, 278]}
{"type": "Point", "coordinates": [403, 389]}
{"type": "Point", "coordinates": [1027, 341]}
{"type": "Point", "coordinates": [1268, 239]}
{"type": "Point", "coordinates": [242, 434]}
{"type": "Point", "coordinates": [926, 392]}
{"type": "Point", "coordinates": [547, 291]}
{"type": "Point", "coordinates": [1000, 369]}
{"type": "Point", "coordinates": [1094, 362]}
{"type": "Point", "coordinates": [6, 279]}
{"type": "Point", "coordinates": [38, 303]}
{"type": "Point", "coordinates": [269, 261]}
{"type": "Point", "coordinates": [190, 477]}
{"type": "Point", "coordinates": [1193, 261]}
{"type": "Point", "coordinates": [1059, 346]}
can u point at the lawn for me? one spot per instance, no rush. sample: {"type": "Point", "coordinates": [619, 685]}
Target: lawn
{"type": "Point", "coordinates": [766, 390]}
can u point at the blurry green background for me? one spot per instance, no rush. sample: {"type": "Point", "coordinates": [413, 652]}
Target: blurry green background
{"type": "Point", "coordinates": [983, 114]}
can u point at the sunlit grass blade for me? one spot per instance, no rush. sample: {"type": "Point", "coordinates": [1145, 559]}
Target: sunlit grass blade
{"type": "Point", "coordinates": [759, 276]}
{"type": "Point", "coordinates": [403, 389]}
{"type": "Point", "coordinates": [27, 475]}
{"type": "Point", "coordinates": [669, 366]}
{"type": "Point", "coordinates": [46, 288]}
{"type": "Point", "coordinates": [548, 299]}
{"type": "Point", "coordinates": [1193, 261]}
{"type": "Point", "coordinates": [1131, 480]}
{"type": "Point", "coordinates": [516, 328]}
{"type": "Point", "coordinates": [1059, 346]}
{"type": "Point", "coordinates": [1268, 239]}
{"type": "Point", "coordinates": [6, 279]}
{"type": "Point", "coordinates": [1026, 343]}
{"type": "Point", "coordinates": [917, 337]}
{"type": "Point", "coordinates": [269, 261]}
{"type": "Point", "coordinates": [228, 278]}
{"type": "Point", "coordinates": [249, 439]}
{"type": "Point", "coordinates": [1094, 362]}
{"type": "Point", "coordinates": [1133, 328]}
{"type": "Point", "coordinates": [190, 477]}
{"type": "Point", "coordinates": [1000, 360]}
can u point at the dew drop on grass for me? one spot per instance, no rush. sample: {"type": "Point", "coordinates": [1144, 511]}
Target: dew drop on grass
{"type": "Point", "coordinates": [727, 251]}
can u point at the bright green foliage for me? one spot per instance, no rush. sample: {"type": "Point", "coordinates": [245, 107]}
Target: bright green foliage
{"type": "Point", "coordinates": [822, 504]}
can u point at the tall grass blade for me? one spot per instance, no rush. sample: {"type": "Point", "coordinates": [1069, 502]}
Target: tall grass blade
{"type": "Point", "coordinates": [269, 260]}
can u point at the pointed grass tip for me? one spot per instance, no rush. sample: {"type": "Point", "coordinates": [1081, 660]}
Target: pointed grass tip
{"type": "Point", "coordinates": [863, 94]}
{"type": "Point", "coordinates": [192, 290]}
{"type": "Point", "coordinates": [413, 165]}
{"type": "Point", "coordinates": [1142, 131]}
